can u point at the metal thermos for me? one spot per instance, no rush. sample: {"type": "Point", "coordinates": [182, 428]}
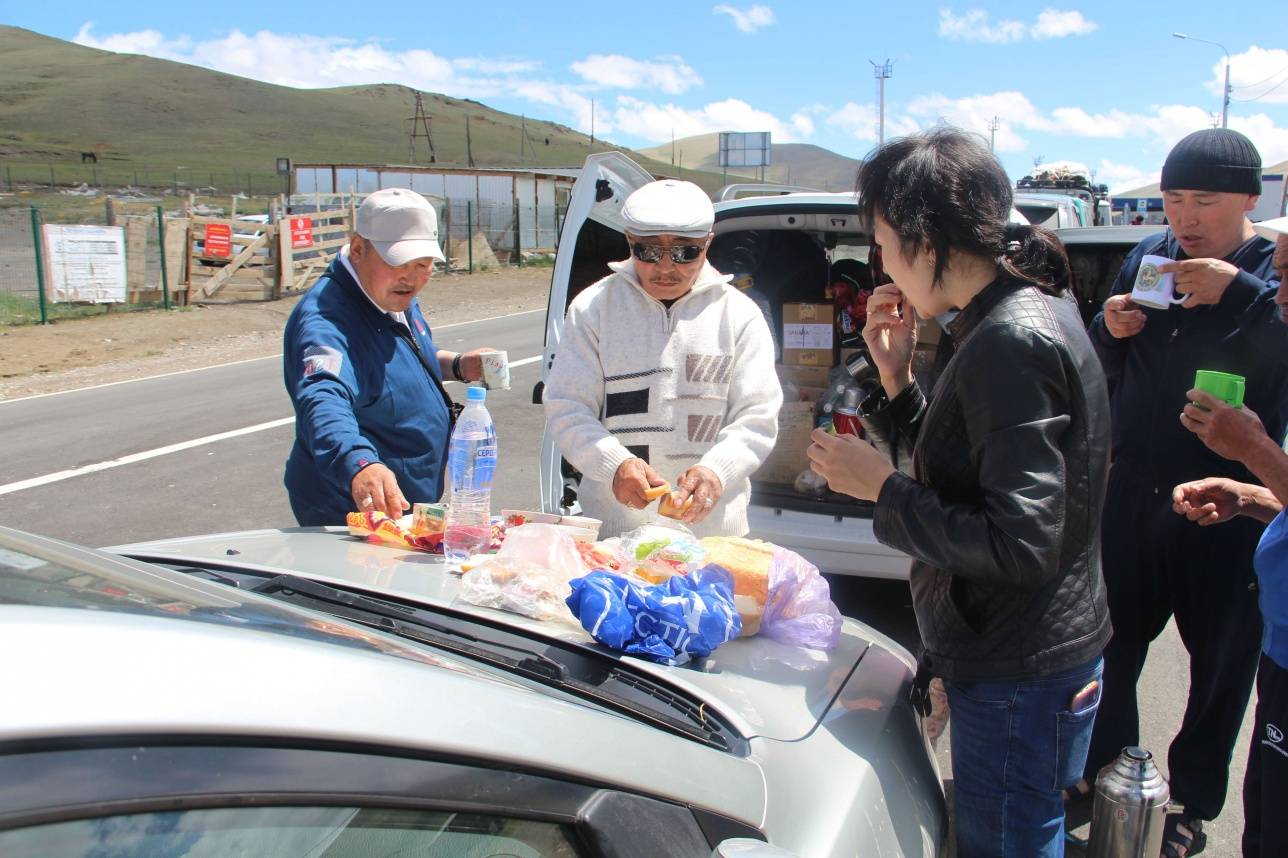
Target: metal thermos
{"type": "Point", "coordinates": [1130, 805]}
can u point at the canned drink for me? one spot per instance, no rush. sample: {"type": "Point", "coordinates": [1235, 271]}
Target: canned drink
{"type": "Point", "coordinates": [496, 370]}
{"type": "Point", "coordinates": [845, 419]}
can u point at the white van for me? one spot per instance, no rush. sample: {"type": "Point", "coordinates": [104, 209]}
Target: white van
{"type": "Point", "coordinates": [787, 243]}
{"type": "Point", "coordinates": [1053, 211]}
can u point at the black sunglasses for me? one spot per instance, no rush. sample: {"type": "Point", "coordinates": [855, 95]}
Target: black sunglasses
{"type": "Point", "coordinates": [681, 254]}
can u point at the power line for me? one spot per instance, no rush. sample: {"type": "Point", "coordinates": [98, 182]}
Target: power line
{"type": "Point", "coordinates": [1267, 92]}
{"type": "Point", "coordinates": [1260, 82]}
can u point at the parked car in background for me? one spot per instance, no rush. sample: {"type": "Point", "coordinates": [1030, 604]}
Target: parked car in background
{"type": "Point", "coordinates": [303, 692]}
{"type": "Point", "coordinates": [1053, 211]}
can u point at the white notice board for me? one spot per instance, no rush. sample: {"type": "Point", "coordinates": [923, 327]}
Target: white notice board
{"type": "Point", "coordinates": [85, 263]}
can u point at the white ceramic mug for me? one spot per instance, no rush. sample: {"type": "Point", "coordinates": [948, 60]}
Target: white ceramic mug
{"type": "Point", "coordinates": [1153, 288]}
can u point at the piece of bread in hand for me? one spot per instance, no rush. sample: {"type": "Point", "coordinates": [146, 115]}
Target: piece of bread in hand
{"type": "Point", "coordinates": [747, 560]}
{"type": "Point", "coordinates": [655, 492]}
{"type": "Point", "coordinates": [670, 510]}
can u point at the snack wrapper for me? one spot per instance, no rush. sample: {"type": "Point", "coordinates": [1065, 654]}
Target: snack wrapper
{"type": "Point", "coordinates": [381, 529]}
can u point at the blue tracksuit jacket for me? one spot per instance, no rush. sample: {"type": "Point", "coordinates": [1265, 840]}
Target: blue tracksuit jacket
{"type": "Point", "coordinates": [361, 395]}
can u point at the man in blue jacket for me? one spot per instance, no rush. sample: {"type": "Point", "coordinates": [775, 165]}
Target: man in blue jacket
{"type": "Point", "coordinates": [1154, 566]}
{"type": "Point", "coordinates": [372, 419]}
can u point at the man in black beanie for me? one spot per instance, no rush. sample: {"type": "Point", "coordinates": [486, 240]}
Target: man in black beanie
{"type": "Point", "coordinates": [1157, 564]}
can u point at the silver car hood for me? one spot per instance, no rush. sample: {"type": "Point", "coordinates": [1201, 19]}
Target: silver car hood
{"type": "Point", "coordinates": [764, 687]}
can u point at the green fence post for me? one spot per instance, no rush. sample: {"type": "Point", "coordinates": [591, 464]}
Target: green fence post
{"type": "Point", "coordinates": [469, 233]}
{"type": "Point", "coordinates": [447, 235]}
{"type": "Point", "coordinates": [52, 185]}
{"type": "Point", "coordinates": [136, 178]}
{"type": "Point", "coordinates": [40, 264]}
{"type": "Point", "coordinates": [518, 254]}
{"type": "Point", "coordinates": [165, 279]}
{"type": "Point", "coordinates": [8, 175]}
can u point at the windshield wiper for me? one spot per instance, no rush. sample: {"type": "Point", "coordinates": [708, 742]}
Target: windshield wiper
{"type": "Point", "coordinates": [457, 635]}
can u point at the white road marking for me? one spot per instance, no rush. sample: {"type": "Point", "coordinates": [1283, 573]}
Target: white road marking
{"type": "Point", "coordinates": [235, 363]}
{"type": "Point", "coordinates": [139, 457]}
{"type": "Point", "coordinates": [130, 459]}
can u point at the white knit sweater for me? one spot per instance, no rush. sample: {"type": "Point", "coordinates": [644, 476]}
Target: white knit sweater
{"type": "Point", "coordinates": [692, 384]}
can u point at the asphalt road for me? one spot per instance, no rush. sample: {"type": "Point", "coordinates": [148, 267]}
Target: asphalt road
{"type": "Point", "coordinates": [202, 451]}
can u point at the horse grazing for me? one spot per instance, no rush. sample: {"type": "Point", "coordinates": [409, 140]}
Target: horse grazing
{"type": "Point", "coordinates": [89, 158]}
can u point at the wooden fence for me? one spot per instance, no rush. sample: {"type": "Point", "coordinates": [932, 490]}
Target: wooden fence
{"type": "Point", "coordinates": [238, 260]}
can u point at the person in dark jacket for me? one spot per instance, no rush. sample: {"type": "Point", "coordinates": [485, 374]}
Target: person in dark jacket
{"type": "Point", "coordinates": [1155, 566]}
{"type": "Point", "coordinates": [372, 419]}
{"type": "Point", "coordinates": [1011, 457]}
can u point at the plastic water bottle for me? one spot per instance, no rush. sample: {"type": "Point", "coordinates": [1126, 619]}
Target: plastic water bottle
{"type": "Point", "coordinates": [471, 463]}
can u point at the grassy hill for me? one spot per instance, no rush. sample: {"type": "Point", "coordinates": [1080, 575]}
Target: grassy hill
{"type": "Point", "coordinates": [144, 116]}
{"type": "Point", "coordinates": [793, 163]}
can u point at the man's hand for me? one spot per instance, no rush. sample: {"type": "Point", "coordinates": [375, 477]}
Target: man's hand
{"type": "Point", "coordinates": [472, 364]}
{"type": "Point", "coordinates": [1122, 317]}
{"type": "Point", "coordinates": [1209, 501]}
{"type": "Point", "coordinates": [850, 465]}
{"type": "Point", "coordinates": [1203, 280]}
{"type": "Point", "coordinates": [633, 478]}
{"type": "Point", "coordinates": [703, 486]}
{"type": "Point", "coordinates": [1228, 432]}
{"type": "Point", "coordinates": [376, 488]}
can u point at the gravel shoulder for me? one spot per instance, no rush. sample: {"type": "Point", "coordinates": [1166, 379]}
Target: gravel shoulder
{"type": "Point", "coordinates": [36, 359]}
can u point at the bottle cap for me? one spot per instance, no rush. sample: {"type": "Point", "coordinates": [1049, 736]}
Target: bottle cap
{"type": "Point", "coordinates": [476, 394]}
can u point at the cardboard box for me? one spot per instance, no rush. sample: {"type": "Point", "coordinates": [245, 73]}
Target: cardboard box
{"type": "Point", "coordinates": [803, 376]}
{"type": "Point", "coordinates": [785, 462]}
{"type": "Point", "coordinates": [809, 334]}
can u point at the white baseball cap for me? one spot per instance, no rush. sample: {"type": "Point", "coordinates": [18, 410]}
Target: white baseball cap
{"type": "Point", "coordinates": [400, 224]}
{"type": "Point", "coordinates": [1271, 229]}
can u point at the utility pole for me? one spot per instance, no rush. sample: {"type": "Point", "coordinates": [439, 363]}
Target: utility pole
{"type": "Point", "coordinates": [469, 149]}
{"type": "Point", "coordinates": [882, 72]}
{"type": "Point", "coordinates": [672, 147]}
{"type": "Point", "coordinates": [993, 125]}
{"type": "Point", "coordinates": [1225, 92]}
{"type": "Point", "coordinates": [592, 122]}
{"type": "Point", "coordinates": [420, 128]}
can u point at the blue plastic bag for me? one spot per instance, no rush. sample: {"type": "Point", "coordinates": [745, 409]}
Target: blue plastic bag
{"type": "Point", "coordinates": [687, 616]}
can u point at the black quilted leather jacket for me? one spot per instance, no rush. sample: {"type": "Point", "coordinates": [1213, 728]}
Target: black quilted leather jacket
{"type": "Point", "coordinates": [1003, 519]}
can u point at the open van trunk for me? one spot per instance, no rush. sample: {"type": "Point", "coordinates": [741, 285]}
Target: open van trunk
{"type": "Point", "coordinates": [785, 254]}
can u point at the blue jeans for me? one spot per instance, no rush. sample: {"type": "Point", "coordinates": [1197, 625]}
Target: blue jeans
{"type": "Point", "coordinates": [1015, 746]}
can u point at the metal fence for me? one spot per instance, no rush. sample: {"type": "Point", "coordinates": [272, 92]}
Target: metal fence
{"type": "Point", "coordinates": [474, 237]}
{"type": "Point", "coordinates": [182, 180]}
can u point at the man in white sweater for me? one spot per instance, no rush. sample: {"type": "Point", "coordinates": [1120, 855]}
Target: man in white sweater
{"type": "Point", "coordinates": [665, 372]}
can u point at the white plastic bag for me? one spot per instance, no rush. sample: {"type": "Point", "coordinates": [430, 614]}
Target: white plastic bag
{"type": "Point", "coordinates": [529, 575]}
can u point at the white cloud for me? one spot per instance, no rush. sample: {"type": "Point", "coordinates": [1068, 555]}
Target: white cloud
{"type": "Point", "coordinates": [1257, 73]}
{"type": "Point", "coordinates": [747, 20]}
{"type": "Point", "coordinates": [861, 122]}
{"type": "Point", "coordinates": [149, 42]}
{"type": "Point", "coordinates": [803, 123]}
{"type": "Point", "coordinates": [655, 122]}
{"type": "Point", "coordinates": [672, 75]}
{"type": "Point", "coordinates": [1124, 177]}
{"type": "Point", "coordinates": [1056, 24]}
{"type": "Point", "coordinates": [977, 26]}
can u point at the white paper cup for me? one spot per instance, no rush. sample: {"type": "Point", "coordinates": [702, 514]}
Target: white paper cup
{"type": "Point", "coordinates": [496, 370]}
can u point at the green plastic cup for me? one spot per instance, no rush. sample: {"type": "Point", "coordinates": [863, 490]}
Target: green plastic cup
{"type": "Point", "coordinates": [1225, 386]}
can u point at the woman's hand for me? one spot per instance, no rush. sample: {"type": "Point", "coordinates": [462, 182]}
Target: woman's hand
{"type": "Point", "coordinates": [850, 465]}
{"type": "Point", "coordinates": [891, 335]}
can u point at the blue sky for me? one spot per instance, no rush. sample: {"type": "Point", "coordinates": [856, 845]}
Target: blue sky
{"type": "Point", "coordinates": [1103, 84]}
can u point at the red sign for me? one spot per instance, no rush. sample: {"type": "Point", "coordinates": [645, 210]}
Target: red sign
{"type": "Point", "coordinates": [219, 240]}
{"type": "Point", "coordinates": [301, 232]}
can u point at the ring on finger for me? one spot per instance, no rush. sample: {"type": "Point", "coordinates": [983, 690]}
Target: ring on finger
{"type": "Point", "coordinates": [708, 503]}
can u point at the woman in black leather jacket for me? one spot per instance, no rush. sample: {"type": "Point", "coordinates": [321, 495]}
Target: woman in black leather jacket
{"type": "Point", "coordinates": [1011, 458]}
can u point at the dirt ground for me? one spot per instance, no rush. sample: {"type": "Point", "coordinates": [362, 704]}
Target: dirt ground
{"type": "Point", "coordinates": [75, 353]}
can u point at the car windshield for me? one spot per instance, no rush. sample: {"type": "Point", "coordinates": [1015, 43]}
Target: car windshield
{"type": "Point", "coordinates": [40, 574]}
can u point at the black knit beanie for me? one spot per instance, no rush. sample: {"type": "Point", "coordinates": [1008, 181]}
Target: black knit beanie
{"type": "Point", "coordinates": [1214, 159]}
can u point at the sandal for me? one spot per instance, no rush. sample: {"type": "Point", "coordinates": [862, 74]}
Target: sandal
{"type": "Point", "coordinates": [1182, 836]}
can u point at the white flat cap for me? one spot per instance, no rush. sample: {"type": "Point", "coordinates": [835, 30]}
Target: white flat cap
{"type": "Point", "coordinates": [401, 224]}
{"type": "Point", "coordinates": [1271, 229]}
{"type": "Point", "coordinates": [669, 207]}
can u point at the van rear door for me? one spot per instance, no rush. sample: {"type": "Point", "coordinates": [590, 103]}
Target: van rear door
{"type": "Point", "coordinates": [592, 237]}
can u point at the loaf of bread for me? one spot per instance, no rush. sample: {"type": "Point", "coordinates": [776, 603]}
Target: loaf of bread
{"type": "Point", "coordinates": [747, 560]}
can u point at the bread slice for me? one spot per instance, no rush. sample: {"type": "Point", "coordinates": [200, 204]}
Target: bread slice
{"type": "Point", "coordinates": [747, 560]}
{"type": "Point", "coordinates": [656, 492]}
